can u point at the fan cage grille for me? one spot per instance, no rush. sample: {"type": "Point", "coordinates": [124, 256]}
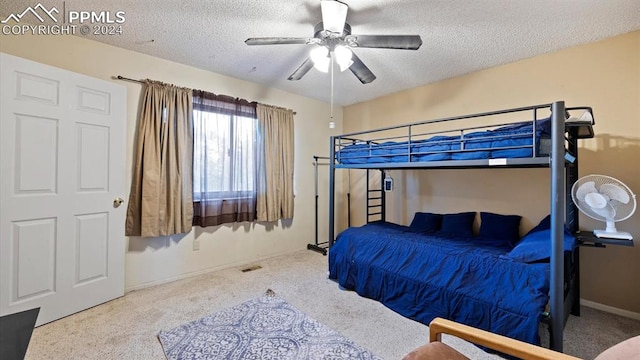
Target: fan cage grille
{"type": "Point", "coordinates": [622, 211]}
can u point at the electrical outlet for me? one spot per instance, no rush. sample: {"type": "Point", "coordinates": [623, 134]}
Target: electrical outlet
{"type": "Point", "coordinates": [196, 244]}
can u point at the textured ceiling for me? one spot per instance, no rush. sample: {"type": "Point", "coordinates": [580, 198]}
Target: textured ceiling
{"type": "Point", "coordinates": [459, 36]}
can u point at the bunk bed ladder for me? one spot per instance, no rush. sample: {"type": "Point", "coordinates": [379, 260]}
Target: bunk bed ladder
{"type": "Point", "coordinates": [572, 222]}
{"type": "Point", "coordinates": [375, 198]}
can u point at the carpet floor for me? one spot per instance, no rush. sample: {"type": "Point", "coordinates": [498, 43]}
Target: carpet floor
{"type": "Point", "coordinates": [128, 327]}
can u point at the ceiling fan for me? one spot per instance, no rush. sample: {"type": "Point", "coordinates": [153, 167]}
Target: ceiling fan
{"type": "Point", "coordinates": [333, 39]}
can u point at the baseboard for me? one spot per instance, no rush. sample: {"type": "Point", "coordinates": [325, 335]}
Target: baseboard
{"type": "Point", "coordinates": [204, 271]}
{"type": "Point", "coordinates": [610, 309]}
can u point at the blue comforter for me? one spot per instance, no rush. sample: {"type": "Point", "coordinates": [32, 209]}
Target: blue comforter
{"type": "Point", "coordinates": [425, 276]}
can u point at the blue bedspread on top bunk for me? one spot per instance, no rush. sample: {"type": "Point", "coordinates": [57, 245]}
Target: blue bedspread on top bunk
{"type": "Point", "coordinates": [425, 276]}
{"type": "Point", "coordinates": [510, 141]}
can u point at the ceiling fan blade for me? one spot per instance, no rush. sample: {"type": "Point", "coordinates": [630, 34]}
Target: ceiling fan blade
{"type": "Point", "coordinates": [278, 41]}
{"type": "Point", "coordinates": [301, 70]}
{"type": "Point", "coordinates": [334, 15]}
{"type": "Point", "coordinates": [361, 71]}
{"type": "Point", "coordinates": [405, 42]}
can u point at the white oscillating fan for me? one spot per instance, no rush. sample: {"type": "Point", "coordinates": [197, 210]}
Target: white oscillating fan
{"type": "Point", "coordinates": [606, 199]}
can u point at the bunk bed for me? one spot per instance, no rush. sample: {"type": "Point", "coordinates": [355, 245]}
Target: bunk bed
{"type": "Point", "coordinates": [374, 258]}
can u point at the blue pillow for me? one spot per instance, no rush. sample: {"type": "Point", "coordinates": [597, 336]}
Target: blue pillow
{"type": "Point", "coordinates": [425, 222]}
{"type": "Point", "coordinates": [460, 224]}
{"type": "Point", "coordinates": [536, 246]}
{"type": "Point", "coordinates": [499, 230]}
{"type": "Point", "coordinates": [544, 224]}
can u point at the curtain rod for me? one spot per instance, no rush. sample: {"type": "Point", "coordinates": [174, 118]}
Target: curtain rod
{"type": "Point", "coordinates": [119, 77]}
{"type": "Point", "coordinates": [127, 79]}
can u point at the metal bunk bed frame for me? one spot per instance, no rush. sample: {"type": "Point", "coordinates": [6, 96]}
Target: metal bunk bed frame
{"type": "Point", "coordinates": [564, 166]}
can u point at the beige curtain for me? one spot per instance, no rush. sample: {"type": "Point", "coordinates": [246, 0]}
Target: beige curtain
{"type": "Point", "coordinates": [160, 202]}
{"type": "Point", "coordinates": [275, 165]}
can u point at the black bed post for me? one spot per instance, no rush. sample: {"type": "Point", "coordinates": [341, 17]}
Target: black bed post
{"type": "Point", "coordinates": [332, 189]}
{"type": "Point", "coordinates": [348, 197]}
{"type": "Point", "coordinates": [557, 224]}
{"type": "Point", "coordinates": [383, 197]}
{"type": "Point", "coordinates": [573, 216]}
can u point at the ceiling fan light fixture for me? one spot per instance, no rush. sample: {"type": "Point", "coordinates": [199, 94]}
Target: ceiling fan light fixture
{"type": "Point", "coordinates": [343, 57]}
{"type": "Point", "coordinates": [323, 65]}
{"type": "Point", "coordinates": [344, 67]}
{"type": "Point", "coordinates": [319, 53]}
{"type": "Point", "coordinates": [320, 57]}
{"type": "Point", "coordinates": [334, 15]}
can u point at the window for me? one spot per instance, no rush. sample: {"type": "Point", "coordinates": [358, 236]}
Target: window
{"type": "Point", "coordinates": [225, 154]}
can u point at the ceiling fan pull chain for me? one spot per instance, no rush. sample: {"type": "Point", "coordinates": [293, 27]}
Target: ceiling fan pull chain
{"type": "Point", "coordinates": [331, 54]}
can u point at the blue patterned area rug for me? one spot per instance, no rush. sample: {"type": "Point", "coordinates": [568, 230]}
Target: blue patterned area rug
{"type": "Point", "coordinates": [263, 328]}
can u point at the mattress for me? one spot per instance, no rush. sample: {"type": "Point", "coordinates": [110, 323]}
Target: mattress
{"type": "Point", "coordinates": [427, 276]}
{"type": "Point", "coordinates": [511, 141]}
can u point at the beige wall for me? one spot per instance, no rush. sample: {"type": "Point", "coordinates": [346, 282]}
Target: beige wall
{"type": "Point", "coordinates": [156, 260]}
{"type": "Point", "coordinates": [604, 75]}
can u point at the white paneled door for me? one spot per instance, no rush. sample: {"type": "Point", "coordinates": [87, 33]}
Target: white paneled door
{"type": "Point", "coordinates": [62, 158]}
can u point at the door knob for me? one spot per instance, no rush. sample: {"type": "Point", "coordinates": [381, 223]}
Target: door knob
{"type": "Point", "coordinates": [117, 202]}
